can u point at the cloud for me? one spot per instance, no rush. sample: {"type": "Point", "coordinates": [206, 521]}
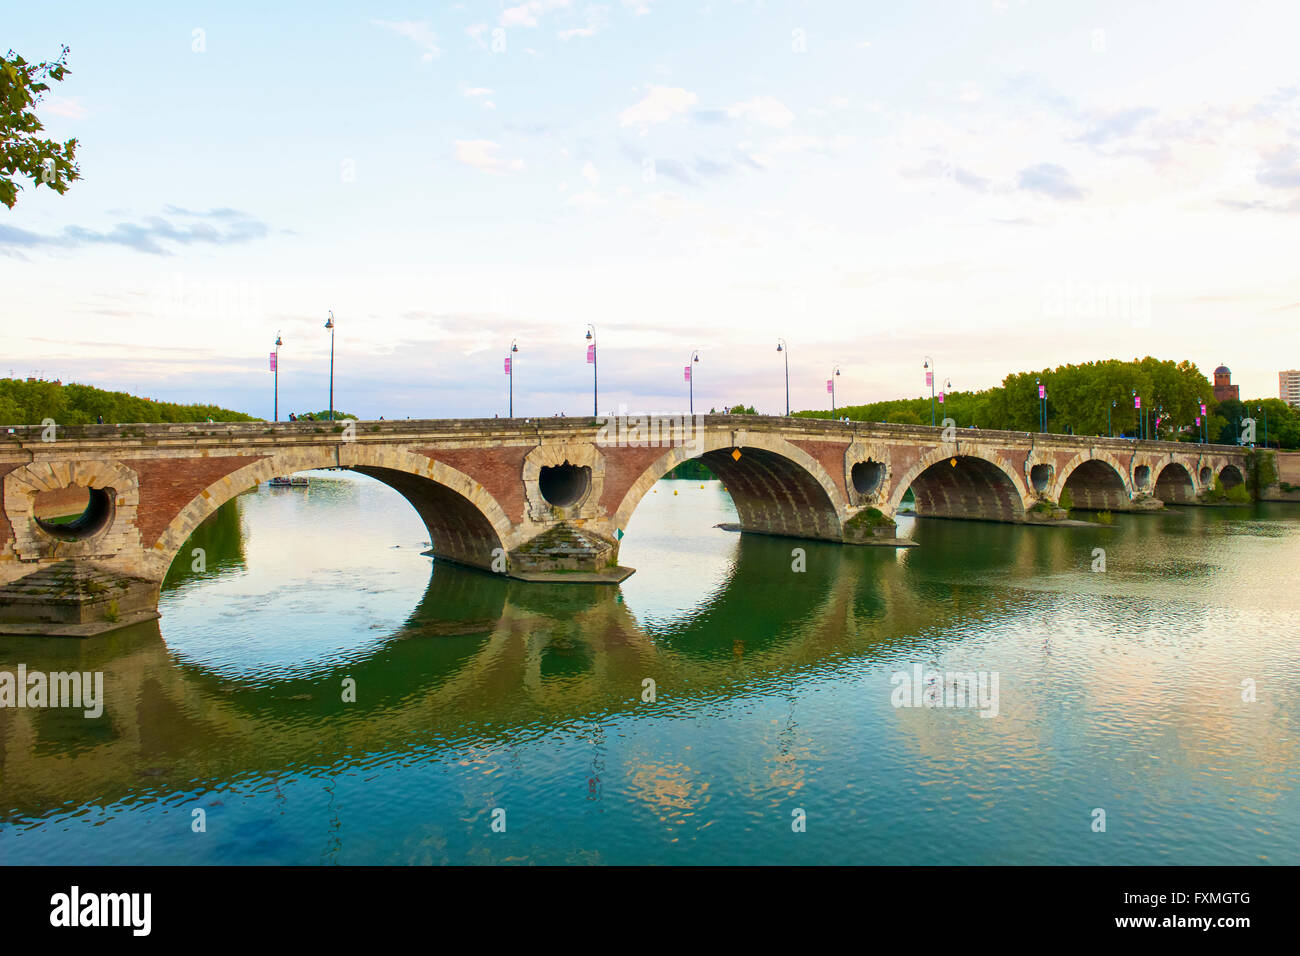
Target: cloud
{"type": "Point", "coordinates": [526, 14]}
{"type": "Point", "coordinates": [481, 154]}
{"type": "Point", "coordinates": [418, 30]}
{"type": "Point", "coordinates": [1104, 128]}
{"type": "Point", "coordinates": [1281, 169]}
{"type": "Point", "coordinates": [638, 7]}
{"type": "Point", "coordinates": [590, 174]}
{"type": "Point", "coordinates": [765, 110]}
{"type": "Point", "coordinates": [152, 236]}
{"type": "Point", "coordinates": [1050, 180]}
{"type": "Point", "coordinates": [659, 105]}
{"type": "Point", "coordinates": [472, 91]}
{"type": "Point", "coordinates": [71, 107]}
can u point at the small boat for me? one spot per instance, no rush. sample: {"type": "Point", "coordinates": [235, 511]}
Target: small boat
{"type": "Point", "coordinates": [293, 481]}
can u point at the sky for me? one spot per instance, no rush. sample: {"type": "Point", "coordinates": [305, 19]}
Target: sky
{"type": "Point", "coordinates": [1000, 185]}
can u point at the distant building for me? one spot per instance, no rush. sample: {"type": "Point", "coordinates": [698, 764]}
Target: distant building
{"type": "Point", "coordinates": [1288, 387]}
{"type": "Point", "coordinates": [1223, 387]}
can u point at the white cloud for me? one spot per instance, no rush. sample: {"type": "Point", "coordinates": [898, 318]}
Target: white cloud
{"type": "Point", "coordinates": [639, 7]}
{"type": "Point", "coordinates": [70, 107]}
{"type": "Point", "coordinates": [590, 174]}
{"type": "Point", "coordinates": [419, 31]}
{"type": "Point", "coordinates": [481, 154]}
{"type": "Point", "coordinates": [659, 105]}
{"type": "Point", "coordinates": [766, 110]}
{"type": "Point", "coordinates": [526, 14]}
{"type": "Point", "coordinates": [473, 91]}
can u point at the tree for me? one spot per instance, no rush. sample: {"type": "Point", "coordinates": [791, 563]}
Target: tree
{"type": "Point", "coordinates": [22, 151]}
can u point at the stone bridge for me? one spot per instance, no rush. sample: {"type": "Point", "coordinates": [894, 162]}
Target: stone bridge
{"type": "Point", "coordinates": [535, 499]}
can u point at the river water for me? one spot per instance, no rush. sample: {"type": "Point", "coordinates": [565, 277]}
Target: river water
{"type": "Point", "coordinates": [772, 735]}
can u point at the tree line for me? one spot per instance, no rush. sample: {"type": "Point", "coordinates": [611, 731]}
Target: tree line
{"type": "Point", "coordinates": [1095, 398]}
{"type": "Point", "coordinates": [31, 402]}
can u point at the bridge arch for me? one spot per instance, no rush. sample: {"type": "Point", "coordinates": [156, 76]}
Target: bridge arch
{"type": "Point", "coordinates": [959, 485]}
{"type": "Point", "coordinates": [1231, 476]}
{"type": "Point", "coordinates": [1095, 481]}
{"type": "Point", "coordinates": [777, 487]}
{"type": "Point", "coordinates": [1175, 484]}
{"type": "Point", "coordinates": [464, 521]}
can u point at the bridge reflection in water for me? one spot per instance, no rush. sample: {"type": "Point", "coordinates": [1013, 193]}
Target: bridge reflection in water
{"type": "Point", "coordinates": [485, 664]}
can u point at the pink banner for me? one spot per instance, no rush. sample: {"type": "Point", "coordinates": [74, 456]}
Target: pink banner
{"type": "Point", "coordinates": [1202, 409]}
{"type": "Point", "coordinates": [591, 354]}
{"type": "Point", "coordinates": [830, 385]}
{"type": "Point", "coordinates": [686, 372]}
{"type": "Point", "coordinates": [941, 398]}
{"type": "Point", "coordinates": [272, 361]}
{"type": "Point", "coordinates": [1198, 421]}
{"type": "Point", "coordinates": [1042, 391]}
{"type": "Point", "coordinates": [929, 378]}
{"type": "Point", "coordinates": [1137, 401]}
{"type": "Point", "coordinates": [507, 364]}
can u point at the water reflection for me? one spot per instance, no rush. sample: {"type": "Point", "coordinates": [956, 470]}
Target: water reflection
{"type": "Point", "coordinates": [474, 691]}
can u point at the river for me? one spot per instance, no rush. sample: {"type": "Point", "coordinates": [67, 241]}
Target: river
{"type": "Point", "coordinates": [733, 702]}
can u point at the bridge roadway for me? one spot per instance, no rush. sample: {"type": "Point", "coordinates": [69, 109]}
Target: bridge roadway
{"type": "Point", "coordinates": [538, 499]}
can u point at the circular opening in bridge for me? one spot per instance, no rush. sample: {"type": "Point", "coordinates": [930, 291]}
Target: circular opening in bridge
{"type": "Point", "coordinates": [867, 477]}
{"type": "Point", "coordinates": [1231, 476]}
{"type": "Point", "coordinates": [74, 513]}
{"type": "Point", "coordinates": [564, 485]}
{"type": "Point", "coordinates": [1206, 476]}
{"type": "Point", "coordinates": [1041, 476]}
{"type": "Point", "coordinates": [1142, 476]}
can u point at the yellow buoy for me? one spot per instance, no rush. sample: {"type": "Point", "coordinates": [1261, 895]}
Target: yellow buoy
{"type": "Point", "coordinates": [674, 491]}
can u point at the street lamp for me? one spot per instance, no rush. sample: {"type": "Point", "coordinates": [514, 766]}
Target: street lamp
{"type": "Point", "coordinates": [782, 347]}
{"type": "Point", "coordinates": [329, 324]}
{"type": "Point", "coordinates": [690, 376]}
{"type": "Point", "coordinates": [928, 365]}
{"type": "Point", "coordinates": [1039, 383]}
{"type": "Point", "coordinates": [835, 371]}
{"type": "Point", "coordinates": [591, 358]}
{"type": "Point", "coordinates": [510, 373]}
{"type": "Point", "coordinates": [947, 385]}
{"type": "Point", "coordinates": [1259, 409]}
{"type": "Point", "coordinates": [1137, 406]}
{"type": "Point", "coordinates": [1110, 427]}
{"type": "Point", "coordinates": [275, 367]}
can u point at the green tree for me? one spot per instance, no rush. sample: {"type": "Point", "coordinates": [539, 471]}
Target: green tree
{"type": "Point", "coordinates": [22, 151]}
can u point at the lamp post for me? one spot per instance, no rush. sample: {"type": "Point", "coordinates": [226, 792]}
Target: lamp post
{"type": "Point", "coordinates": [276, 368]}
{"type": "Point", "coordinates": [947, 385]}
{"type": "Point", "coordinates": [1258, 409]}
{"type": "Point", "coordinates": [782, 347]}
{"type": "Point", "coordinates": [591, 357]}
{"type": "Point", "coordinates": [510, 373]}
{"type": "Point", "coordinates": [1110, 427]}
{"type": "Point", "coordinates": [1137, 407]}
{"type": "Point", "coordinates": [835, 371]}
{"type": "Point", "coordinates": [329, 324]}
{"type": "Point", "coordinates": [1042, 427]}
{"type": "Point", "coordinates": [928, 365]}
{"type": "Point", "coordinates": [1204, 423]}
{"type": "Point", "coordinates": [690, 375]}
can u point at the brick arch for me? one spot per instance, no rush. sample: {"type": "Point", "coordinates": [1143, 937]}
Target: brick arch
{"type": "Point", "coordinates": [454, 507]}
{"type": "Point", "coordinates": [1096, 480]}
{"type": "Point", "coordinates": [777, 487]}
{"type": "Point", "coordinates": [975, 487]}
{"type": "Point", "coordinates": [1231, 474]}
{"type": "Point", "coordinates": [1175, 483]}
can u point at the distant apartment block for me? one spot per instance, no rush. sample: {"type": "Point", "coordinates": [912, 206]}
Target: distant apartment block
{"type": "Point", "coordinates": [1288, 387]}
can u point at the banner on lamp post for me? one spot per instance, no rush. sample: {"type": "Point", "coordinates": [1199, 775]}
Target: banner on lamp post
{"type": "Point", "coordinates": [929, 378]}
{"type": "Point", "coordinates": [686, 374]}
{"type": "Point", "coordinates": [507, 364]}
{"type": "Point", "coordinates": [830, 386]}
{"type": "Point", "coordinates": [591, 354]}
{"type": "Point", "coordinates": [1042, 391]}
{"type": "Point", "coordinates": [272, 357]}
